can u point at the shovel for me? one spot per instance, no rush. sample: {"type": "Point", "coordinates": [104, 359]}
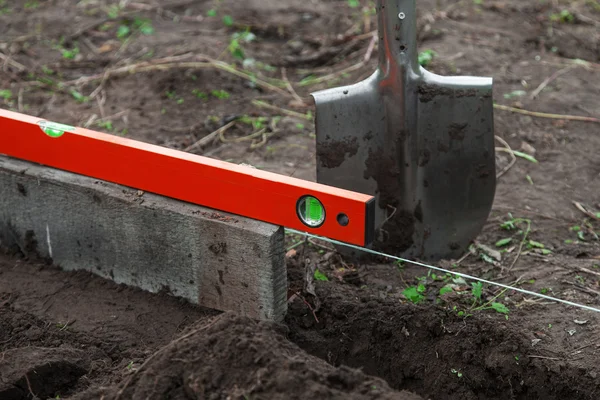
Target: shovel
{"type": "Point", "coordinates": [421, 143]}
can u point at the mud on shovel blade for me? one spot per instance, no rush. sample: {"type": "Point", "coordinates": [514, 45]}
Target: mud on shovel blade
{"type": "Point", "coordinates": [421, 143]}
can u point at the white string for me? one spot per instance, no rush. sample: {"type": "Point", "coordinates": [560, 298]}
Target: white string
{"type": "Point", "coordinates": [420, 264]}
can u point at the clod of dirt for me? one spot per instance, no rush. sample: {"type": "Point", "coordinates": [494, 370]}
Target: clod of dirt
{"type": "Point", "coordinates": [39, 371]}
{"type": "Point", "coordinates": [397, 232]}
{"type": "Point", "coordinates": [331, 154]}
{"type": "Point", "coordinates": [235, 357]}
{"type": "Point", "coordinates": [429, 92]}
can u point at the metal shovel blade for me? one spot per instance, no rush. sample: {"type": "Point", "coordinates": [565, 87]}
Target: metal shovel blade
{"type": "Point", "coordinates": [421, 143]}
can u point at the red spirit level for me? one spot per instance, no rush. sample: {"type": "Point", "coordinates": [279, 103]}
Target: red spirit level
{"type": "Point", "coordinates": [294, 203]}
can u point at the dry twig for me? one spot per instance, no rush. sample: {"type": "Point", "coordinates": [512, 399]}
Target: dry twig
{"type": "Point", "coordinates": [290, 88]}
{"type": "Point", "coordinates": [210, 137]}
{"type": "Point", "coordinates": [584, 210]}
{"type": "Point", "coordinates": [551, 78]}
{"type": "Point", "coordinates": [508, 150]}
{"type": "Point", "coordinates": [168, 63]}
{"type": "Point", "coordinates": [294, 114]}
{"type": "Point", "coordinates": [546, 115]}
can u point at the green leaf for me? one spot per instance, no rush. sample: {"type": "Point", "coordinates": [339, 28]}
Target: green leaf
{"type": "Point", "coordinates": [525, 156]}
{"type": "Point", "coordinates": [546, 252]}
{"type": "Point", "coordinates": [477, 289]}
{"type": "Point", "coordinates": [515, 93]}
{"type": "Point", "coordinates": [508, 225]}
{"type": "Point", "coordinates": [534, 244]}
{"type": "Point", "coordinates": [123, 31]}
{"type": "Point", "coordinates": [421, 288]}
{"type": "Point", "coordinates": [501, 308]}
{"type": "Point", "coordinates": [413, 295]}
{"type": "Point", "coordinates": [147, 29]}
{"type": "Point", "coordinates": [309, 80]}
{"type": "Point", "coordinates": [212, 13]}
{"type": "Point", "coordinates": [78, 96]}
{"type": "Point", "coordinates": [320, 276]}
{"type": "Point", "coordinates": [6, 94]}
{"type": "Point", "coordinates": [445, 289]}
{"type": "Point", "coordinates": [426, 57]}
{"type": "Point", "coordinates": [220, 94]}
{"type": "Point", "coordinates": [228, 20]}
{"type": "Point", "coordinates": [353, 3]}
{"type": "Point", "coordinates": [487, 258]}
{"type": "Point", "coordinates": [503, 242]}
{"type": "Point", "coordinates": [529, 179]}
{"type": "Point", "coordinates": [70, 54]}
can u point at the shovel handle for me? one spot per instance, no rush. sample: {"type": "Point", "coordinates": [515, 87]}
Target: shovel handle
{"type": "Point", "coordinates": [397, 27]}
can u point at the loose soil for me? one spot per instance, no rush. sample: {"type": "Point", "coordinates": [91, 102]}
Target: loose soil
{"type": "Point", "coordinates": [357, 335]}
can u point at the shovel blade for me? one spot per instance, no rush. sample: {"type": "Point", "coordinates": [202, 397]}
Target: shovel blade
{"type": "Point", "coordinates": [427, 156]}
{"type": "Point", "coordinates": [456, 167]}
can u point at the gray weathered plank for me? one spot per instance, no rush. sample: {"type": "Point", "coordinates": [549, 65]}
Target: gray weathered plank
{"type": "Point", "coordinates": [208, 257]}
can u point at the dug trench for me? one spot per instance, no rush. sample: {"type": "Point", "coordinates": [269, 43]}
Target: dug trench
{"type": "Point", "coordinates": [430, 350]}
{"type": "Point", "coordinates": [77, 336]}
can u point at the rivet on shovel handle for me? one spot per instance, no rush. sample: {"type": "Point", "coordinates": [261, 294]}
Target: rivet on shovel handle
{"type": "Point", "coordinates": [423, 144]}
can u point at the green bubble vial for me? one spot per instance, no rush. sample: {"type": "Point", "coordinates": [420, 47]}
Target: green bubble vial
{"type": "Point", "coordinates": [311, 211]}
{"type": "Point", "coordinates": [54, 129]}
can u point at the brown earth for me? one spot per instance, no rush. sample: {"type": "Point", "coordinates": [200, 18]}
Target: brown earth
{"type": "Point", "coordinates": [72, 335]}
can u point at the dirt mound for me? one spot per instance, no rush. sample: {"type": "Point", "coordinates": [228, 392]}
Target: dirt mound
{"type": "Point", "coordinates": [432, 351]}
{"type": "Point", "coordinates": [234, 357]}
{"type": "Point", "coordinates": [39, 371]}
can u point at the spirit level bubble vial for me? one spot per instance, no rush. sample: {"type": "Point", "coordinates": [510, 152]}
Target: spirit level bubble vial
{"type": "Point", "coordinates": [294, 203]}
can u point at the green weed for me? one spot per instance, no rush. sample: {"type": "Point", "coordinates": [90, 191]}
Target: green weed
{"type": "Point", "coordinates": [200, 94]}
{"type": "Point", "coordinates": [456, 372]}
{"type": "Point", "coordinates": [108, 125]}
{"type": "Point", "coordinates": [113, 11]}
{"type": "Point", "coordinates": [426, 57]}
{"type": "Point", "coordinates": [257, 123]}
{"type": "Point", "coordinates": [227, 20]}
{"type": "Point", "coordinates": [4, 9]}
{"type": "Point", "coordinates": [525, 156]}
{"type": "Point", "coordinates": [415, 294]}
{"type": "Point", "coordinates": [220, 94]}
{"type": "Point", "coordinates": [69, 54]}
{"type": "Point", "coordinates": [320, 276]}
{"type": "Point", "coordinates": [80, 98]}
{"type": "Point", "coordinates": [564, 16]}
{"type": "Point", "coordinates": [127, 27]}
{"type": "Point", "coordinates": [31, 5]}
{"type": "Point", "coordinates": [529, 179]}
{"type": "Point", "coordinates": [515, 93]}
{"type": "Point", "coordinates": [235, 44]}
{"type": "Point", "coordinates": [504, 242]}
{"type": "Point", "coordinates": [6, 94]}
